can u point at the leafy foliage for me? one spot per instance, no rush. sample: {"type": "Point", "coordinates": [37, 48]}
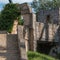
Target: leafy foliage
{"type": "Point", "coordinates": [7, 16]}
{"type": "Point", "coordinates": [45, 4]}
{"type": "Point", "coordinates": [20, 21]}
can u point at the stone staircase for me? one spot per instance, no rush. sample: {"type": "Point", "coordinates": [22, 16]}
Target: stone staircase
{"type": "Point", "coordinates": [9, 47]}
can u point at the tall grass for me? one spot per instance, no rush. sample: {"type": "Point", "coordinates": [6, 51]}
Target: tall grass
{"type": "Point", "coordinates": [38, 56]}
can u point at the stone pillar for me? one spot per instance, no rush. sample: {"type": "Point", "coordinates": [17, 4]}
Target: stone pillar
{"type": "Point", "coordinates": [21, 42]}
{"type": "Point", "coordinates": [29, 22]}
{"type": "Point", "coordinates": [34, 33]}
{"type": "Point", "coordinates": [26, 34]}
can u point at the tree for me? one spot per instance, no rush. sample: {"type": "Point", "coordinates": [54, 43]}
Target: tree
{"type": "Point", "coordinates": [40, 4]}
{"type": "Point", "coordinates": [45, 4]}
{"type": "Point", "coordinates": [7, 16]}
{"type": "Point", "coordinates": [10, 1]}
{"type": "Point", "coordinates": [56, 3]}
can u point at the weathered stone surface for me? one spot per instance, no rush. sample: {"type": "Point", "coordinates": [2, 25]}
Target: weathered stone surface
{"type": "Point", "coordinates": [48, 26]}
{"type": "Point", "coordinates": [3, 40]}
{"type": "Point", "coordinates": [21, 42]}
{"type": "Point", "coordinates": [8, 47]}
{"type": "Point", "coordinates": [52, 23]}
{"type": "Point", "coordinates": [14, 30]}
{"type": "Point", "coordinates": [53, 13]}
{"type": "Point", "coordinates": [29, 25]}
{"type": "Point", "coordinates": [45, 28]}
{"type": "Point", "coordinates": [25, 8]}
{"type": "Point", "coordinates": [27, 19]}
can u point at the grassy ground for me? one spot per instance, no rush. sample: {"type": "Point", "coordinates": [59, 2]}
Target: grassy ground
{"type": "Point", "coordinates": [38, 56]}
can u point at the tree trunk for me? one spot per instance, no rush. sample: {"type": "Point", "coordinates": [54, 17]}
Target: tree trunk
{"type": "Point", "coordinates": [10, 1]}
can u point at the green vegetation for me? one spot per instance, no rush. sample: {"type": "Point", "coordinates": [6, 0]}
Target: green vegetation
{"type": "Point", "coordinates": [20, 21]}
{"type": "Point", "coordinates": [45, 4]}
{"type": "Point", "coordinates": [38, 56]}
{"type": "Point", "coordinates": [7, 16]}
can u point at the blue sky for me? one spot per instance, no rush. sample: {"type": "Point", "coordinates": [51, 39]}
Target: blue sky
{"type": "Point", "coordinates": [2, 2]}
{"type": "Point", "coordinates": [16, 1]}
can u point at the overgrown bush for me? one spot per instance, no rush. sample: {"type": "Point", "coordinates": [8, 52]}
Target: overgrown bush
{"type": "Point", "coordinates": [7, 16]}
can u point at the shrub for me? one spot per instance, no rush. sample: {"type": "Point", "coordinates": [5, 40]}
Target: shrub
{"type": "Point", "coordinates": [7, 16]}
{"type": "Point", "coordinates": [20, 21]}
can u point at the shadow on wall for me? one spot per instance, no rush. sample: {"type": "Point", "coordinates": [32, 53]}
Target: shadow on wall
{"type": "Point", "coordinates": [44, 47]}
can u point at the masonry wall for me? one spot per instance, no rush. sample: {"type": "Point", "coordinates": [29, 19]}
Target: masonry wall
{"type": "Point", "coordinates": [21, 43]}
{"type": "Point", "coordinates": [54, 15]}
{"type": "Point", "coordinates": [52, 23]}
{"type": "Point", "coordinates": [27, 19]}
{"type": "Point", "coordinates": [9, 46]}
{"type": "Point", "coordinates": [3, 40]}
{"type": "Point", "coordinates": [34, 31]}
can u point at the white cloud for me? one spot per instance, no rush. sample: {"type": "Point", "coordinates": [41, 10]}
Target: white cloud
{"type": "Point", "coordinates": [16, 1]}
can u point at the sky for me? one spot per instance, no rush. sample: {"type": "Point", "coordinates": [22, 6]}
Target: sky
{"type": "Point", "coordinates": [15, 1]}
{"type": "Point", "coordinates": [3, 2]}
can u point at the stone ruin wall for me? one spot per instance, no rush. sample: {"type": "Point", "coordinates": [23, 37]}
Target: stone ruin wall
{"type": "Point", "coordinates": [52, 32]}
{"type": "Point", "coordinates": [8, 46]}
{"type": "Point", "coordinates": [32, 29]}
{"type": "Point", "coordinates": [53, 23]}
{"type": "Point", "coordinates": [54, 27]}
{"type": "Point", "coordinates": [29, 26]}
{"type": "Point", "coordinates": [22, 43]}
{"type": "Point", "coordinates": [53, 13]}
{"type": "Point", "coordinates": [13, 45]}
